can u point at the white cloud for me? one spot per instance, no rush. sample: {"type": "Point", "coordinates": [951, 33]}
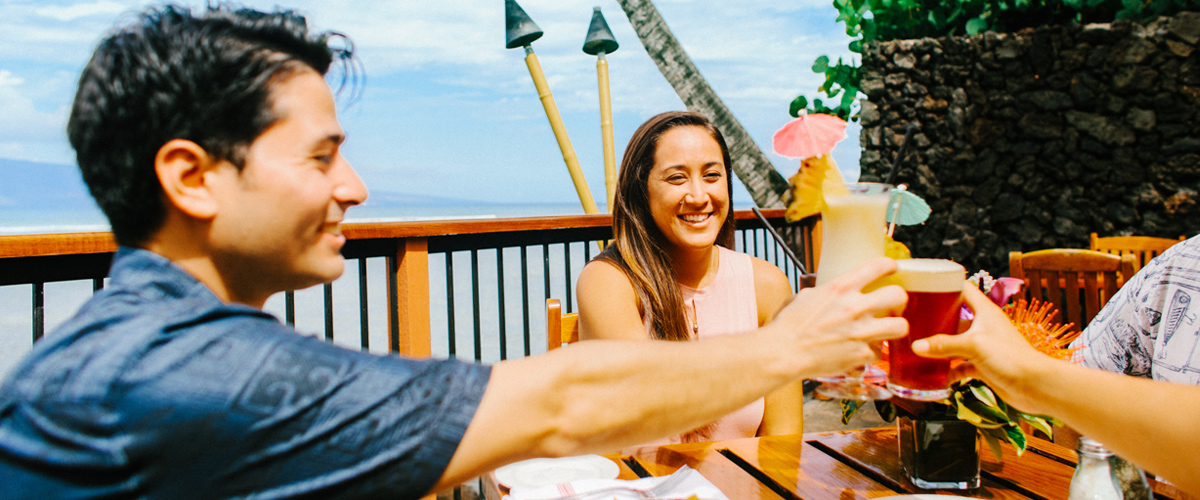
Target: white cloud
{"type": "Point", "coordinates": [25, 131]}
{"type": "Point", "coordinates": [81, 10]}
{"type": "Point", "coordinates": [401, 35]}
{"type": "Point", "coordinates": [21, 116]}
{"type": "Point", "coordinates": [11, 150]}
{"type": "Point", "coordinates": [54, 37]}
{"type": "Point", "coordinates": [9, 79]}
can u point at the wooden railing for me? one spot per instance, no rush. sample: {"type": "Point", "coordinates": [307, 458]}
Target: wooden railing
{"type": "Point", "coordinates": [409, 250]}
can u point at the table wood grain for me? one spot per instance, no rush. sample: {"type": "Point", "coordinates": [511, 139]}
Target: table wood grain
{"type": "Point", "coordinates": [846, 465]}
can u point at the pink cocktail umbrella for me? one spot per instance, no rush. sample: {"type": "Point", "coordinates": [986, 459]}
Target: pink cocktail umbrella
{"type": "Point", "coordinates": [809, 136]}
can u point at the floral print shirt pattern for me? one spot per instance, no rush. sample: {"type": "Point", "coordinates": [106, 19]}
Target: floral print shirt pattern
{"type": "Point", "coordinates": [1151, 327]}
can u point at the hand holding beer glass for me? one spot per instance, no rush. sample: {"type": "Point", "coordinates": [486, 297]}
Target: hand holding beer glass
{"type": "Point", "coordinates": [934, 288]}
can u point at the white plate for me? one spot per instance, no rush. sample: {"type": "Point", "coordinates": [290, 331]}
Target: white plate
{"type": "Point", "coordinates": [548, 471]}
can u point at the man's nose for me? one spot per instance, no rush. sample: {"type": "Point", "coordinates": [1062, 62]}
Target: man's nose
{"type": "Point", "coordinates": [350, 189]}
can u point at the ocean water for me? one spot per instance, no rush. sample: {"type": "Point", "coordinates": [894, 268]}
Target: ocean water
{"type": "Point", "coordinates": [19, 220]}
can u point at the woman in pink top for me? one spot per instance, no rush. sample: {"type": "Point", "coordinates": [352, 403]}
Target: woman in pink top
{"type": "Point", "coordinates": [672, 273]}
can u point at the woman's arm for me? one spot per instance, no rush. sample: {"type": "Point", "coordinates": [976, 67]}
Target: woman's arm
{"type": "Point", "coordinates": [784, 412]}
{"type": "Point", "coordinates": [608, 306]}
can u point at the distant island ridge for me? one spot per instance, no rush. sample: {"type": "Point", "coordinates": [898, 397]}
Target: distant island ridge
{"type": "Point", "coordinates": [38, 198]}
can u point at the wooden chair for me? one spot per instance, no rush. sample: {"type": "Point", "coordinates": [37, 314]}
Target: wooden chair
{"type": "Point", "coordinates": [1143, 248]}
{"type": "Point", "coordinates": [1077, 282]}
{"type": "Point", "coordinates": [560, 328]}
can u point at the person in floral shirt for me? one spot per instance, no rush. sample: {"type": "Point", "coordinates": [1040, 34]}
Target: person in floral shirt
{"type": "Point", "coordinates": [1151, 327]}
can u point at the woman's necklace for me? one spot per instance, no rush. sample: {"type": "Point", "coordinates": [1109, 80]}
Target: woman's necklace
{"type": "Point", "coordinates": [695, 318]}
{"type": "Point", "coordinates": [695, 313]}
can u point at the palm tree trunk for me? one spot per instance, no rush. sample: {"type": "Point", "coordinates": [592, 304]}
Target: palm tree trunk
{"type": "Point", "coordinates": [765, 184]}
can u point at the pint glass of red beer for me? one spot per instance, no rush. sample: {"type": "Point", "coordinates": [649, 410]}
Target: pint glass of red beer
{"type": "Point", "coordinates": [934, 289]}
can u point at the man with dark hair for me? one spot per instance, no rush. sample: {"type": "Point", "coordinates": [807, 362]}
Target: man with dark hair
{"type": "Point", "coordinates": [211, 142]}
{"type": "Point", "coordinates": [175, 76]}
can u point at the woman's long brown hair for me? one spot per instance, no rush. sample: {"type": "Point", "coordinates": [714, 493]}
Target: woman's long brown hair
{"type": "Point", "coordinates": [640, 247]}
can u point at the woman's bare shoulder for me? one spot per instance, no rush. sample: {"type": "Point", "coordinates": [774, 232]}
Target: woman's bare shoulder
{"type": "Point", "coordinates": [602, 271]}
{"type": "Point", "coordinates": [608, 305]}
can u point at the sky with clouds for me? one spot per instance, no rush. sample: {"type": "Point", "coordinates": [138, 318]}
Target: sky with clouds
{"type": "Point", "coordinates": [447, 110]}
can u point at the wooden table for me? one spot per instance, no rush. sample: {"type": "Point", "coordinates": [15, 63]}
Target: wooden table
{"type": "Point", "coordinates": [845, 465]}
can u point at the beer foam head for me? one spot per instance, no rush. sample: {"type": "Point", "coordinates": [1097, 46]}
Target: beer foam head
{"type": "Point", "coordinates": [930, 275]}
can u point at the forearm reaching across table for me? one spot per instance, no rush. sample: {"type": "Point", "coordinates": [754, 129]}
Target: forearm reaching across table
{"type": "Point", "coordinates": [598, 396]}
{"type": "Point", "coordinates": [1151, 423]}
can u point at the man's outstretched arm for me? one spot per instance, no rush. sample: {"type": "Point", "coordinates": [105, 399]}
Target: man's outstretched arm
{"type": "Point", "coordinates": [599, 396]}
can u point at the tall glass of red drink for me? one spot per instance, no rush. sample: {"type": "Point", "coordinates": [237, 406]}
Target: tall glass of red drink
{"type": "Point", "coordinates": [934, 289]}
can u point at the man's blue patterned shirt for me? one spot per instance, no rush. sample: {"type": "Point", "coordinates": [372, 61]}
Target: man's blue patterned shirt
{"type": "Point", "coordinates": [157, 389]}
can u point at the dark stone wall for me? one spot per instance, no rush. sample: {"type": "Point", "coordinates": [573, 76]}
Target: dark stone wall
{"type": "Point", "coordinates": [1035, 139]}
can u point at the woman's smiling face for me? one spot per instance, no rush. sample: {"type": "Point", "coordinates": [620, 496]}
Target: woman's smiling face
{"type": "Point", "coordinates": [688, 189]}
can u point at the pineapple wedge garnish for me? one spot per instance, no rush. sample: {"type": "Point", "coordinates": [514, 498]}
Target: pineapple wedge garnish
{"type": "Point", "coordinates": [817, 178]}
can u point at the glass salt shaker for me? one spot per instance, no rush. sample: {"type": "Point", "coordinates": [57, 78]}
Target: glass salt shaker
{"type": "Point", "coordinates": [1100, 475]}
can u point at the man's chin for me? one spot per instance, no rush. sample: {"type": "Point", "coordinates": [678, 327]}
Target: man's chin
{"type": "Point", "coordinates": [326, 272]}
{"type": "Point", "coordinates": [334, 271]}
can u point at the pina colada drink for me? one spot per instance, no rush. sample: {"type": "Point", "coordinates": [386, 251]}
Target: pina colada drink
{"type": "Point", "coordinates": [853, 229]}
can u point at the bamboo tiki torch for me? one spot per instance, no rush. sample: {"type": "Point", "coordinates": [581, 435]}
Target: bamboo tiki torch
{"type": "Point", "coordinates": [521, 32]}
{"type": "Point", "coordinates": [599, 43]}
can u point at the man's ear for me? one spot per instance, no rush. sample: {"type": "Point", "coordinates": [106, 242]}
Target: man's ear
{"type": "Point", "coordinates": [181, 166]}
